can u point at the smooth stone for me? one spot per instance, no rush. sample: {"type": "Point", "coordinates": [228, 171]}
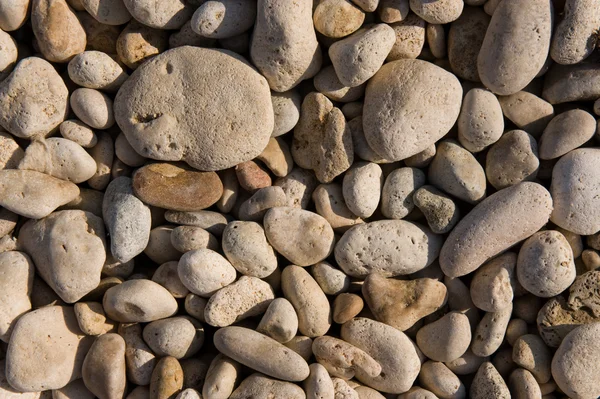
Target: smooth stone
{"type": "Point", "coordinates": [255, 207]}
{"type": "Point", "coordinates": [13, 14]}
{"type": "Point", "coordinates": [398, 189]}
{"type": "Point", "coordinates": [329, 203]}
{"type": "Point", "coordinates": [97, 70]}
{"type": "Point", "coordinates": [332, 280]}
{"type": "Point", "coordinates": [160, 15]}
{"type": "Point", "coordinates": [516, 45]}
{"type": "Point", "coordinates": [391, 348]}
{"type": "Point", "coordinates": [220, 378]}
{"type": "Point", "coordinates": [100, 37]}
{"type": "Point", "coordinates": [401, 303]}
{"type": "Point", "coordinates": [252, 176]}
{"type": "Point", "coordinates": [494, 225]}
{"type": "Point", "coordinates": [60, 158]}
{"type": "Point", "coordinates": [189, 238]}
{"type": "Point", "coordinates": [245, 246]}
{"type": "Point", "coordinates": [528, 111]}
{"type": "Point", "coordinates": [391, 11]}
{"type": "Point", "coordinates": [8, 52]}
{"type": "Point", "coordinates": [247, 346]}
{"type": "Point", "coordinates": [138, 43]}
{"type": "Point", "coordinates": [387, 247]}
{"type": "Point", "coordinates": [72, 390]}
{"type": "Point", "coordinates": [566, 132]}
{"type": "Point", "coordinates": [180, 337]}
{"type": "Point", "coordinates": [139, 392]}
{"type": "Point", "coordinates": [16, 283]}
{"type": "Point", "coordinates": [488, 383]}
{"type": "Point", "coordinates": [361, 187]}
{"type": "Point", "coordinates": [490, 331]}
{"type": "Point", "coordinates": [139, 358]}
{"type": "Point", "coordinates": [284, 45]}
{"type": "Point", "coordinates": [138, 301]}
{"type": "Point", "coordinates": [260, 386]}
{"type": "Point", "coordinates": [337, 18]}
{"type": "Point", "coordinates": [126, 154]}
{"type": "Point", "coordinates": [109, 12]}
{"type": "Point", "coordinates": [346, 306]}
{"type": "Point", "coordinates": [159, 248]}
{"type": "Point", "coordinates": [402, 91]}
{"type": "Point", "coordinates": [69, 250]}
{"type": "Point", "coordinates": [127, 219]}
{"type": "Point", "coordinates": [531, 353]}
{"type": "Point", "coordinates": [79, 133]}
{"type": "Point", "coordinates": [33, 107]}
{"type": "Point", "coordinates": [103, 153]}
{"type": "Point", "coordinates": [465, 38]}
{"type": "Point", "coordinates": [247, 297]}
{"type": "Point", "coordinates": [103, 369]}
{"type": "Point", "coordinates": [574, 189]}
{"type": "Point", "coordinates": [286, 107]}
{"type": "Point", "coordinates": [440, 211]}
{"type": "Point", "coordinates": [204, 271]}
{"type": "Point", "coordinates": [440, 381]}
{"type": "Point", "coordinates": [93, 107]}
{"type": "Point", "coordinates": [445, 339]}
{"type": "Point", "coordinates": [494, 283]}
{"type": "Point", "coordinates": [322, 141]}
{"type": "Point", "coordinates": [280, 321]}
{"type": "Point", "coordinates": [213, 222]}
{"type": "Point", "coordinates": [277, 157]}
{"type": "Point", "coordinates": [441, 12]}
{"type": "Point", "coordinates": [223, 19]}
{"type": "Point", "coordinates": [167, 379]}
{"type": "Point", "coordinates": [58, 32]}
{"type": "Point", "coordinates": [328, 83]}
{"type": "Point", "coordinates": [468, 363]}
{"type": "Point", "coordinates": [512, 160]}
{"type": "Point", "coordinates": [359, 141]}
{"type": "Point", "coordinates": [167, 276]}
{"type": "Point", "coordinates": [50, 333]}
{"type": "Point", "coordinates": [158, 126]}
{"type": "Point", "coordinates": [481, 122]}
{"type": "Point", "coordinates": [318, 385]}
{"type": "Point", "coordinates": [436, 39]}
{"type": "Point", "coordinates": [195, 305]}
{"type": "Point", "coordinates": [303, 237]}
{"type": "Point", "coordinates": [567, 83]}
{"type": "Point", "coordinates": [231, 190]}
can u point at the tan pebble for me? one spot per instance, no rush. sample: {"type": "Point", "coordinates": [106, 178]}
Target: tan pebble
{"type": "Point", "coordinates": [139, 359]}
{"type": "Point", "coordinates": [410, 38]}
{"type": "Point", "coordinates": [352, 110]}
{"type": "Point", "coordinates": [195, 305]}
{"type": "Point", "coordinates": [280, 321]}
{"type": "Point", "coordinates": [440, 210]}
{"type": "Point", "coordinates": [319, 385]}
{"type": "Point", "coordinates": [362, 186]}
{"type": "Point", "coordinates": [247, 297]}
{"type": "Point", "coordinates": [359, 141]}
{"type": "Point", "coordinates": [252, 177]}
{"type": "Point", "coordinates": [220, 378]}
{"type": "Point", "coordinates": [575, 36]}
{"type": "Point", "coordinates": [417, 393]}
{"type": "Point", "coordinates": [140, 392]}
{"type": "Point", "coordinates": [138, 301]}
{"type": "Point", "coordinates": [481, 121]}
{"type": "Point", "coordinates": [13, 14]}
{"type": "Point", "coordinates": [346, 306]}
{"type": "Point", "coordinates": [231, 190]}
{"type": "Point", "coordinates": [97, 70]}
{"type": "Point", "coordinates": [488, 384]}
{"type": "Point", "coordinates": [329, 203]}
{"type": "Point", "coordinates": [126, 154]}
{"type": "Point", "coordinates": [246, 247]}
{"type": "Point", "coordinates": [302, 345]}
{"type": "Point", "coordinates": [159, 248]}
{"type": "Point", "coordinates": [93, 107]}
{"type": "Point", "coordinates": [138, 43]}
{"type": "Point", "coordinates": [401, 303]}
{"type": "Point", "coordinates": [75, 389]}
{"type": "Point", "coordinates": [109, 12]}
{"type": "Point", "coordinates": [298, 187]}
{"type": "Point", "coordinates": [180, 337]}
{"type": "Point", "coordinates": [167, 379]}
{"type": "Point", "coordinates": [391, 11]}
{"type": "Point", "coordinates": [103, 153]}
{"type": "Point", "coordinates": [465, 38]}
{"type": "Point", "coordinates": [566, 132]}
{"type": "Point", "coordinates": [277, 157]}
{"type": "Point", "coordinates": [515, 329]}
{"type": "Point", "coordinates": [492, 285]}
{"type": "Point", "coordinates": [490, 331]}
{"type": "Point", "coordinates": [512, 159]}
{"type": "Point", "coordinates": [328, 83]}
{"type": "Point", "coordinates": [591, 259]}
{"type": "Point", "coordinates": [255, 207]}
{"type": "Point", "coordinates": [438, 379]}
{"type": "Point", "coordinates": [582, 293]}
{"type": "Point", "coordinates": [528, 111]}
{"type": "Point", "coordinates": [16, 283]}
{"type": "Point", "coordinates": [104, 367]}
{"type": "Point", "coordinates": [441, 12]}
{"type": "Point", "coordinates": [468, 363]}
{"type": "Point", "coordinates": [531, 353]}
{"type": "Point", "coordinates": [189, 238]}
{"type": "Point", "coordinates": [91, 318]}
{"type": "Point", "coordinates": [523, 385]}
{"type": "Point", "coordinates": [213, 222]}
{"type": "Point", "coordinates": [204, 271]}
{"type": "Point", "coordinates": [337, 18]}
{"type": "Point", "coordinates": [331, 280]}
{"type": "Point", "coordinates": [100, 37]}
{"type": "Point", "coordinates": [436, 39]}
{"type": "Point", "coordinates": [342, 359]}
{"type": "Point", "coordinates": [260, 386]}
{"type": "Point", "coordinates": [160, 15]}
{"type": "Point", "coordinates": [166, 275]}
{"type": "Point", "coordinates": [286, 107]}
{"type": "Point", "coordinates": [224, 18]}
{"type": "Point", "coordinates": [79, 133]}
{"type": "Point", "coordinates": [565, 83]}
{"type": "Point", "coordinates": [445, 339]}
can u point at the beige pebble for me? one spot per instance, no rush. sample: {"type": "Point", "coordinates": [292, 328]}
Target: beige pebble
{"type": "Point", "coordinates": [160, 15]}
{"type": "Point", "coordinates": [566, 132]}
{"type": "Point", "coordinates": [318, 385]}
{"type": "Point", "coordinates": [246, 346]}
{"type": "Point", "coordinates": [483, 233]}
{"type": "Point", "coordinates": [531, 353]}
{"type": "Point", "coordinates": [204, 271]}
{"type": "Point", "coordinates": [468, 363]}
{"type": "Point", "coordinates": [565, 83]}
{"type": "Point", "coordinates": [401, 303]}
{"type": "Point", "coordinates": [488, 383]}
{"type": "Point", "coordinates": [591, 259]}
{"type": "Point", "coordinates": [280, 321]}
{"type": "Point", "coordinates": [346, 306]}
{"type": "Point", "coordinates": [440, 211]}
{"type": "Point", "coordinates": [328, 83]}
{"type": "Point", "coordinates": [359, 141]}
{"type": "Point", "coordinates": [103, 153]}
{"type": "Point", "coordinates": [246, 247]}
{"type": "Point", "coordinates": [213, 222]}
{"type": "Point", "coordinates": [32, 107]}
{"type": "Point", "coordinates": [575, 36]}
{"type": "Point", "coordinates": [159, 248]}
{"type": "Point", "coordinates": [284, 44]}
{"type": "Point", "coordinates": [11, 153]}
{"type": "Point", "coordinates": [481, 122]}
{"type": "Point", "coordinates": [138, 43]}
{"type": "Point", "coordinates": [126, 154]}
{"type": "Point", "coordinates": [421, 159]}
{"type": "Point", "coordinates": [247, 297]}
{"type": "Point", "coordinates": [329, 203]}
{"type": "Point", "coordinates": [100, 37]}
{"type": "Point", "coordinates": [528, 111]}
{"type": "Point", "coordinates": [337, 18]}
{"type": "Point", "coordinates": [332, 280]}
{"type": "Point", "coordinates": [277, 157]}
{"type": "Point", "coordinates": [494, 283]}
{"type": "Point", "coordinates": [93, 108]}
{"type": "Point", "coordinates": [410, 38]}
{"type": "Point", "coordinates": [445, 339]}
{"type": "Point", "coordinates": [189, 238]}
{"type": "Point", "coordinates": [13, 14]}
{"type": "Point", "coordinates": [582, 293]}
{"type": "Point", "coordinates": [298, 187]}
{"type": "Point", "coordinates": [311, 304]}
{"type": "Point", "coordinates": [16, 284]}
{"type": "Point", "coordinates": [138, 301]}
{"type": "Point", "coordinates": [167, 379]}
{"type": "Point", "coordinates": [195, 305]}
{"type": "Point", "coordinates": [79, 133]}
{"type": "Point", "coordinates": [180, 337]}
{"type": "Point", "coordinates": [465, 38]}
{"type": "Point", "coordinates": [9, 53]}
{"type": "Point", "coordinates": [231, 190]}
{"type": "Point", "coordinates": [387, 247]}
{"type": "Point", "coordinates": [523, 385]}
{"type": "Point", "coordinates": [286, 107]}
{"type": "Point", "coordinates": [260, 386]}
{"type": "Point", "coordinates": [59, 33]}
{"type": "Point", "coordinates": [390, 88]}
{"type": "Point", "coordinates": [417, 393]}
{"type": "Point", "coordinates": [342, 359]}
{"type": "Point", "coordinates": [545, 266]}
{"type": "Point", "coordinates": [50, 333]}
{"type": "Point", "coordinates": [223, 19]}
{"type": "Point", "coordinates": [167, 276]}
{"type": "Point", "coordinates": [91, 318]}
{"type": "Point", "coordinates": [512, 159]}
{"type": "Point", "coordinates": [103, 369]}
{"type": "Point", "coordinates": [441, 12]}
{"type": "Point", "coordinates": [139, 359]}
{"type": "Point", "coordinates": [362, 186]}
{"type": "Point", "coordinates": [490, 331]}
{"type": "Point", "coordinates": [391, 11]}
{"type": "Point", "coordinates": [255, 207]}
{"type": "Point", "coordinates": [516, 45]}
{"type": "Point", "coordinates": [322, 141]}
{"type": "Point", "coordinates": [75, 389]}
{"type": "Point", "coordinates": [302, 345]}
{"type": "Point", "coordinates": [436, 39]}
{"type": "Point", "coordinates": [440, 381]}
{"type": "Point", "coordinates": [220, 378]}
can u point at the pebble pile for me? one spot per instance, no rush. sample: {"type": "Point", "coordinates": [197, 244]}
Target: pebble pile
{"type": "Point", "coordinates": [299, 199]}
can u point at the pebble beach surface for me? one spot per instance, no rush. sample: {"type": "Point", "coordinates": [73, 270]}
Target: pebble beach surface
{"type": "Point", "coordinates": [299, 199]}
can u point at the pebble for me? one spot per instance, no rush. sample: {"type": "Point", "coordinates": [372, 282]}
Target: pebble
{"type": "Point", "coordinates": [439, 210]}
{"type": "Point", "coordinates": [303, 237]}
{"type": "Point", "coordinates": [166, 134]}
{"type": "Point", "coordinates": [9, 52]}
{"type": "Point", "coordinates": [564, 83]}
{"type": "Point", "coordinates": [362, 187]}
{"type": "Point", "coordinates": [91, 318]}
{"type": "Point", "coordinates": [391, 11]}
{"type": "Point", "coordinates": [159, 248]}
{"type": "Point", "coordinates": [126, 154]}
{"type": "Point", "coordinates": [488, 383]}
{"type": "Point", "coordinates": [75, 389]}
{"type": "Point", "coordinates": [329, 203]}
{"type": "Point", "coordinates": [515, 46]}
{"type": "Point", "coordinates": [343, 390]}
{"type": "Point", "coordinates": [280, 321]}
{"type": "Point", "coordinates": [439, 12]}
{"type": "Point", "coordinates": [179, 337]}
{"type": "Point", "coordinates": [321, 140]}
{"type": "Point", "coordinates": [328, 83]}
{"type": "Point", "coordinates": [60, 244]}
{"type": "Point", "coordinates": [391, 348]}
{"type": "Point", "coordinates": [109, 12]}
{"type": "Point", "coordinates": [16, 283]}
{"type": "Point", "coordinates": [468, 363]}
{"type": "Point", "coordinates": [103, 153]}
{"type": "Point", "coordinates": [343, 359]}
{"type": "Point", "coordinates": [481, 122]}
{"type": "Point", "coordinates": [277, 157]}
{"type": "Point", "coordinates": [498, 222]}
{"type": "Point", "coordinates": [11, 153]}
{"type": "Point", "coordinates": [252, 177]}
{"type": "Point", "coordinates": [545, 266]}
{"type": "Point", "coordinates": [59, 33]}
{"type": "Point", "coordinates": [439, 381]}
{"type": "Point", "coordinates": [32, 107]}
{"type": "Point", "coordinates": [575, 191]}
{"type": "Point", "coordinates": [298, 187]}
{"type": "Point", "coordinates": [220, 378]}
{"type": "Point", "coordinates": [457, 172]}
{"type": "Point", "coordinates": [127, 220]}
{"type": "Point", "coordinates": [13, 14]}
{"type": "Point", "coordinates": [583, 295]}
{"type": "Point", "coordinates": [138, 43]}
{"type": "Point", "coordinates": [319, 383]}
{"type": "Point", "coordinates": [401, 303]}
{"type": "Point", "coordinates": [331, 280]}
{"type": "Point", "coordinates": [436, 39]}
{"type": "Point", "coordinates": [574, 37]}
{"type": "Point", "coordinates": [566, 132]}
{"type": "Point", "coordinates": [358, 57]}
{"type": "Point", "coordinates": [213, 222]}
{"type": "Point", "coordinates": [398, 190]}
{"type": "Point", "coordinates": [387, 247]}
{"type": "Point", "coordinates": [139, 359]}
{"type": "Point", "coordinates": [246, 346]}
{"type": "Point", "coordinates": [158, 14]}
{"type": "Point", "coordinates": [50, 333]}
{"type": "Point", "coordinates": [103, 369]}
{"type": "Point", "coordinates": [100, 37]}
{"type": "Point", "coordinates": [346, 306]}
{"type": "Point", "coordinates": [260, 386]}
{"type": "Point", "coordinates": [60, 158]}
{"type": "Point", "coordinates": [490, 331]}
{"type": "Point", "coordinates": [528, 111]}
{"type": "Point", "coordinates": [386, 100]}
{"type": "Point", "coordinates": [167, 276]}
{"type": "Point", "coordinates": [79, 133]}
{"type": "Point", "coordinates": [138, 301]}
{"type": "Point", "coordinates": [591, 259]}
{"type": "Point", "coordinates": [231, 190]}
{"type": "Point", "coordinates": [167, 379]}
{"type": "Point", "coordinates": [204, 271]}
{"type": "Point", "coordinates": [494, 283]}
{"type": "Point", "coordinates": [574, 365]}
{"type": "Point", "coordinates": [245, 246]}
{"type": "Point", "coordinates": [247, 297]}
{"type": "Point", "coordinates": [286, 109]}
{"type": "Point", "coordinates": [255, 207]}
{"type": "Point", "coordinates": [522, 384]}
{"type": "Point", "coordinates": [531, 353]}
{"type": "Point", "coordinates": [513, 159]}
{"type": "Point", "coordinates": [337, 18]}
{"type": "Point", "coordinates": [223, 19]}
{"type": "Point", "coordinates": [445, 339]}
{"type": "Point", "coordinates": [284, 45]}
{"type": "Point", "coordinates": [301, 345]}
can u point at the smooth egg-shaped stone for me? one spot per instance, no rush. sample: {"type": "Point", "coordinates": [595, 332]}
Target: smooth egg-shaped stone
{"type": "Point", "coordinates": [494, 225]}
{"type": "Point", "coordinates": [138, 301]}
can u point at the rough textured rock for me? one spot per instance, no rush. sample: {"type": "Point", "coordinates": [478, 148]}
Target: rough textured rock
{"type": "Point", "coordinates": [481, 122]}
{"type": "Point", "coordinates": [512, 160]}
{"type": "Point", "coordinates": [488, 383]}
{"type": "Point", "coordinates": [575, 36]}
{"type": "Point", "coordinates": [260, 386]}
{"type": "Point", "coordinates": [16, 282]}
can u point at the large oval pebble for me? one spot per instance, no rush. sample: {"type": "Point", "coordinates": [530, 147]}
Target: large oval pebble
{"type": "Point", "coordinates": [138, 301]}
